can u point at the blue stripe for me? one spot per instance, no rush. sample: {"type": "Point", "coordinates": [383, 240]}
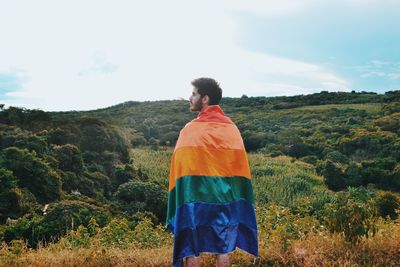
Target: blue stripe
{"type": "Point", "coordinates": [215, 228]}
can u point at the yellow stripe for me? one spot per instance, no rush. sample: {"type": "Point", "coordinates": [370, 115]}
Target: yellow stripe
{"type": "Point", "coordinates": [200, 161]}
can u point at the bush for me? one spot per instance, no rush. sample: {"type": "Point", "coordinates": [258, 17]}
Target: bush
{"type": "Point", "coordinates": [58, 136]}
{"type": "Point", "coordinates": [122, 174]}
{"type": "Point", "coordinates": [311, 159]}
{"type": "Point", "coordinates": [60, 218]}
{"type": "Point", "coordinates": [298, 150]}
{"type": "Point", "coordinates": [7, 180]}
{"type": "Point", "coordinates": [141, 196]}
{"type": "Point", "coordinates": [379, 172]}
{"type": "Point", "coordinates": [353, 175]}
{"type": "Point", "coordinates": [32, 143]}
{"type": "Point", "coordinates": [387, 203]}
{"type": "Point", "coordinates": [154, 143]}
{"type": "Point", "coordinates": [333, 176]}
{"type": "Point", "coordinates": [117, 233]}
{"type": "Point", "coordinates": [10, 204]}
{"type": "Point", "coordinates": [363, 144]}
{"type": "Point", "coordinates": [91, 184]}
{"type": "Point", "coordinates": [25, 228]}
{"type": "Point", "coordinates": [147, 236]}
{"type": "Point", "coordinates": [336, 156]}
{"type": "Point", "coordinates": [69, 158]}
{"type": "Point", "coordinates": [33, 173]}
{"type": "Point", "coordinates": [278, 225]}
{"type": "Point", "coordinates": [352, 213]}
{"type": "Point", "coordinates": [255, 140]}
{"type": "Point", "coordinates": [77, 238]}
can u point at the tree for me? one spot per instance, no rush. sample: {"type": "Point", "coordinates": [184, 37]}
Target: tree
{"type": "Point", "coordinates": [91, 184]}
{"type": "Point", "coordinates": [353, 175]}
{"type": "Point", "coordinates": [138, 139]}
{"type": "Point", "coordinates": [363, 144]}
{"type": "Point", "coordinates": [389, 123]}
{"type": "Point", "coordinates": [124, 173]}
{"type": "Point", "coordinates": [32, 142]}
{"type": "Point", "coordinates": [10, 195]}
{"type": "Point", "coordinates": [61, 217]}
{"type": "Point", "coordinates": [135, 196]}
{"type": "Point", "coordinates": [69, 158]}
{"type": "Point", "coordinates": [58, 136]}
{"type": "Point", "coordinates": [387, 204]}
{"type": "Point", "coordinates": [150, 126]}
{"type": "Point", "coordinates": [336, 156]}
{"type": "Point", "coordinates": [298, 150]}
{"type": "Point", "coordinates": [95, 136]}
{"type": "Point", "coordinates": [33, 173]}
{"type": "Point", "coordinates": [378, 172]}
{"type": "Point", "coordinates": [254, 140]}
{"type": "Point", "coordinates": [7, 180]}
{"type": "Point", "coordinates": [333, 176]}
{"type": "Point", "coordinates": [154, 143]}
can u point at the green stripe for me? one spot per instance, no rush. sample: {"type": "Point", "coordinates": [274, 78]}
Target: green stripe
{"type": "Point", "coordinates": [209, 189]}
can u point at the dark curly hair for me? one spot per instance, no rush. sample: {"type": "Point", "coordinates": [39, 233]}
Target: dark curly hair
{"type": "Point", "coordinates": [209, 87]}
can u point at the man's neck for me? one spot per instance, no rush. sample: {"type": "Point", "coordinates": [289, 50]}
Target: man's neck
{"type": "Point", "coordinates": [210, 108]}
{"type": "Point", "coordinates": [204, 107]}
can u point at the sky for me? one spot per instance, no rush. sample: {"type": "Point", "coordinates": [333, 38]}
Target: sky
{"type": "Point", "coordinates": [81, 55]}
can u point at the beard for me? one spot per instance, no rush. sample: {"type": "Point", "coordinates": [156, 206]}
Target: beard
{"type": "Point", "coordinates": [196, 106]}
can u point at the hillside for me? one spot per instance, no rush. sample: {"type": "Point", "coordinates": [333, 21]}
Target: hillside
{"type": "Point", "coordinates": [320, 163]}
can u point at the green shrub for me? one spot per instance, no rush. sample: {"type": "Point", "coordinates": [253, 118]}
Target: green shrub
{"type": "Point", "coordinates": [278, 224]}
{"type": "Point", "coordinates": [352, 213]}
{"type": "Point", "coordinates": [33, 173]}
{"type": "Point", "coordinates": [69, 158]}
{"type": "Point", "coordinates": [146, 235]}
{"type": "Point", "coordinates": [11, 204]}
{"type": "Point", "coordinates": [7, 180]}
{"type": "Point", "coordinates": [336, 156]}
{"type": "Point", "coordinates": [142, 196]}
{"type": "Point", "coordinates": [387, 204]}
{"type": "Point", "coordinates": [117, 233]}
{"type": "Point", "coordinates": [124, 173]}
{"type": "Point", "coordinates": [333, 175]}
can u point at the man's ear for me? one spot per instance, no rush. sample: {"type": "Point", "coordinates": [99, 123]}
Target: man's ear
{"type": "Point", "coordinates": [205, 99]}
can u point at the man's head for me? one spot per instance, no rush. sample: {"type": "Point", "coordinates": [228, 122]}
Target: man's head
{"type": "Point", "coordinates": [206, 91]}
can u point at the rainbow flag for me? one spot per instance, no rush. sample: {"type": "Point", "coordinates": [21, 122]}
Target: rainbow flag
{"type": "Point", "coordinates": [210, 198]}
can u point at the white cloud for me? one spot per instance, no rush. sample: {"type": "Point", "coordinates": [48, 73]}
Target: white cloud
{"type": "Point", "coordinates": [394, 76]}
{"type": "Point", "coordinates": [92, 54]}
{"type": "Point", "coordinates": [379, 68]}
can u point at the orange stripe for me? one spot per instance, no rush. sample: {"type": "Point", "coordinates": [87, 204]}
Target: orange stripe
{"type": "Point", "coordinates": [208, 162]}
{"type": "Point", "coordinates": [210, 135]}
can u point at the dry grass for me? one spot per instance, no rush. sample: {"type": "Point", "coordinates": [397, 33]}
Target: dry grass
{"type": "Point", "coordinates": [315, 249]}
{"type": "Point", "coordinates": [92, 257]}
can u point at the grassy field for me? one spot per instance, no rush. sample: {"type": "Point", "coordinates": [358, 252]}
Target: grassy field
{"type": "Point", "coordinates": [369, 107]}
{"type": "Point", "coordinates": [285, 190]}
{"type": "Point", "coordinates": [278, 179]}
{"type": "Point", "coordinates": [155, 163]}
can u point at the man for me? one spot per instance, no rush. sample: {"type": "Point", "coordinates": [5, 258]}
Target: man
{"type": "Point", "coordinates": [210, 198]}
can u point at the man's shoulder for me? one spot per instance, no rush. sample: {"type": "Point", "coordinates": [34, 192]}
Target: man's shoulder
{"type": "Point", "coordinates": [213, 119]}
{"type": "Point", "coordinates": [210, 134]}
{"type": "Point", "coordinates": [208, 126]}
